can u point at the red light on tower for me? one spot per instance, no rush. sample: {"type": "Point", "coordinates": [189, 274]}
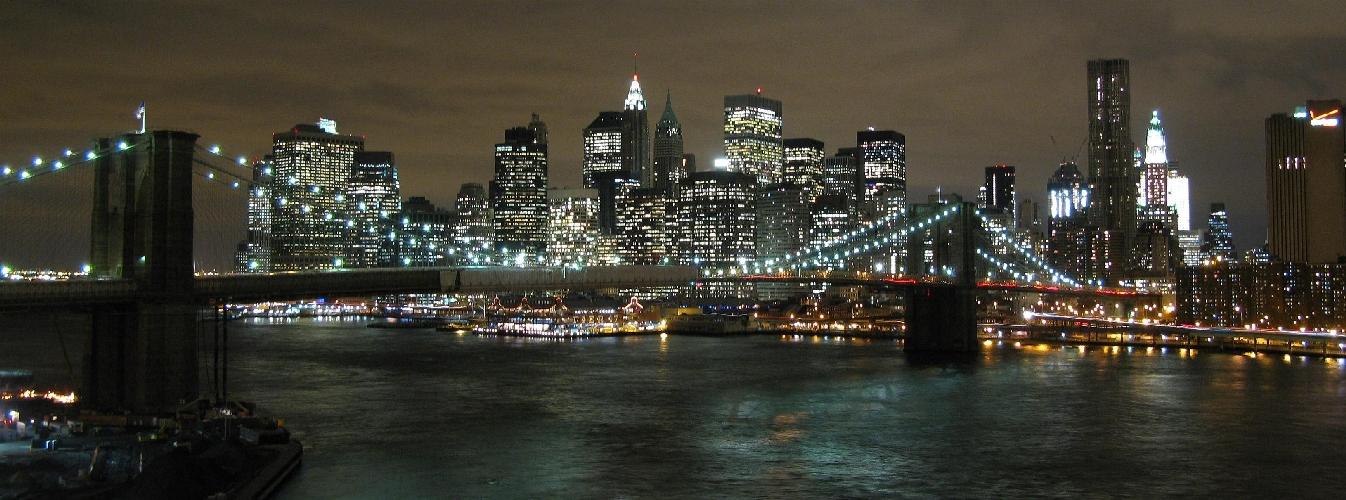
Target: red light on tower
{"type": "Point", "coordinates": [759, 90]}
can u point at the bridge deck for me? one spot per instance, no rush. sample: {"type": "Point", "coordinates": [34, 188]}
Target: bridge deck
{"type": "Point", "coordinates": [351, 283]}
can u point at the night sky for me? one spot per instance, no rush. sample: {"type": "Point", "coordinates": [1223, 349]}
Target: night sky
{"type": "Point", "coordinates": [970, 85]}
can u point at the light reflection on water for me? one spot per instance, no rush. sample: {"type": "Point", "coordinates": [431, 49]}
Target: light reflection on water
{"type": "Point", "coordinates": [415, 413]}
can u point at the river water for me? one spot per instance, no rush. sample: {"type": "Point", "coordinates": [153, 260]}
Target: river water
{"type": "Point", "coordinates": [416, 413]}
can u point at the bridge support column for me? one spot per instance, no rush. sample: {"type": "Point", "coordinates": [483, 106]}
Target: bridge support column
{"type": "Point", "coordinates": [142, 355]}
{"type": "Point", "coordinates": [941, 319]}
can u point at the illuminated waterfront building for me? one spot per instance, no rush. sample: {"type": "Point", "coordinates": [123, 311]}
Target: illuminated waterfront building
{"type": "Point", "coordinates": [1112, 174]}
{"type": "Point", "coordinates": [1267, 294]}
{"type": "Point", "coordinates": [572, 234]}
{"type": "Point", "coordinates": [669, 165]}
{"type": "Point", "coordinates": [783, 220]}
{"type": "Point", "coordinates": [752, 136]}
{"type": "Point", "coordinates": [373, 198]}
{"type": "Point", "coordinates": [883, 165]}
{"type": "Point", "coordinates": [1067, 222]}
{"type": "Point", "coordinates": [1306, 184]}
{"type": "Point", "coordinates": [603, 151]}
{"type": "Point", "coordinates": [519, 207]}
{"type": "Point", "coordinates": [804, 165]}
{"type": "Point", "coordinates": [643, 226]}
{"type": "Point", "coordinates": [254, 253]}
{"type": "Point", "coordinates": [311, 167]}
{"type": "Point", "coordinates": [717, 218]}
{"type": "Point", "coordinates": [472, 220]}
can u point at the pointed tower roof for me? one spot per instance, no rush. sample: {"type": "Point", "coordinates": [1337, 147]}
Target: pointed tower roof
{"type": "Point", "coordinates": [635, 99]}
{"type": "Point", "coordinates": [669, 118]}
{"type": "Point", "coordinates": [1156, 147]}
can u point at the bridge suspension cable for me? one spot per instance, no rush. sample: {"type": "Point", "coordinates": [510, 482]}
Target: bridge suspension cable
{"type": "Point", "coordinates": [62, 161]}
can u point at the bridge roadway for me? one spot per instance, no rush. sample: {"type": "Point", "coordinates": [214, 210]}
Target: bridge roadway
{"type": "Point", "coordinates": [348, 283]}
{"type": "Point", "coordinates": [901, 283]}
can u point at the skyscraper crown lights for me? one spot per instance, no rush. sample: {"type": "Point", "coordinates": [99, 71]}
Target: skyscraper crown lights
{"type": "Point", "coordinates": [635, 99]}
{"type": "Point", "coordinates": [1156, 148]}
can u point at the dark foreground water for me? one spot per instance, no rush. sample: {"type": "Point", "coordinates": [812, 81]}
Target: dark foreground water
{"type": "Point", "coordinates": [388, 413]}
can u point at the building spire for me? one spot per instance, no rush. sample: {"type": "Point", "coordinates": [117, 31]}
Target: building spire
{"type": "Point", "coordinates": [1156, 147]}
{"type": "Point", "coordinates": [635, 99]}
{"type": "Point", "coordinates": [668, 119]}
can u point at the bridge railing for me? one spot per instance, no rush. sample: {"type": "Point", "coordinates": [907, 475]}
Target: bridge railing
{"type": "Point", "coordinates": [22, 293]}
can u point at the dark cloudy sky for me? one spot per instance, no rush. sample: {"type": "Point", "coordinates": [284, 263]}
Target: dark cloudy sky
{"type": "Point", "coordinates": [969, 83]}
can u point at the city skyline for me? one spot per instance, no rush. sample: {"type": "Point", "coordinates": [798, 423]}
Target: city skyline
{"type": "Point", "coordinates": [958, 115]}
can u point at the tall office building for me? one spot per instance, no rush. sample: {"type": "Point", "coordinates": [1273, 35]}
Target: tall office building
{"type": "Point", "coordinates": [669, 168]}
{"type": "Point", "coordinates": [843, 178]}
{"type": "Point", "coordinates": [1179, 198]}
{"type": "Point", "coordinates": [717, 218]}
{"type": "Point", "coordinates": [255, 252]}
{"type": "Point", "coordinates": [373, 199]}
{"type": "Point", "coordinates": [752, 136]}
{"type": "Point", "coordinates": [1306, 184]}
{"type": "Point", "coordinates": [572, 234]}
{"type": "Point", "coordinates": [1219, 239]}
{"type": "Point", "coordinates": [883, 157]}
{"type": "Point", "coordinates": [1067, 222]}
{"type": "Point", "coordinates": [783, 220]}
{"type": "Point", "coordinates": [831, 217]}
{"type": "Point", "coordinates": [997, 193]}
{"type": "Point", "coordinates": [603, 147]}
{"type": "Point", "coordinates": [1154, 177]}
{"type": "Point", "coordinates": [423, 236]}
{"type": "Point", "coordinates": [804, 165]}
{"type": "Point", "coordinates": [1112, 173]}
{"type": "Point", "coordinates": [311, 166]}
{"type": "Point", "coordinates": [636, 134]}
{"type": "Point", "coordinates": [643, 228]}
{"type": "Point", "coordinates": [539, 129]}
{"type": "Point", "coordinates": [472, 230]}
{"type": "Point", "coordinates": [519, 207]}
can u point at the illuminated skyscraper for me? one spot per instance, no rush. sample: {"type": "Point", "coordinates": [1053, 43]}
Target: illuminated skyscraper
{"type": "Point", "coordinates": [1112, 174]}
{"type": "Point", "coordinates": [783, 220]}
{"type": "Point", "coordinates": [311, 168]}
{"type": "Point", "coordinates": [997, 193]}
{"type": "Point", "coordinates": [831, 217]}
{"type": "Point", "coordinates": [884, 166]}
{"type": "Point", "coordinates": [717, 218]}
{"type": "Point", "coordinates": [1179, 198]}
{"type": "Point", "coordinates": [572, 235]}
{"type": "Point", "coordinates": [804, 165]}
{"type": "Point", "coordinates": [255, 252]}
{"type": "Point", "coordinates": [373, 200]}
{"type": "Point", "coordinates": [519, 194]}
{"type": "Point", "coordinates": [752, 136]}
{"type": "Point", "coordinates": [1306, 184]}
{"type": "Point", "coordinates": [668, 165]}
{"type": "Point", "coordinates": [1219, 239]}
{"type": "Point", "coordinates": [472, 223]}
{"type": "Point", "coordinates": [643, 228]}
{"type": "Point", "coordinates": [603, 151]}
{"type": "Point", "coordinates": [636, 134]}
{"type": "Point", "coordinates": [1067, 222]}
{"type": "Point", "coordinates": [843, 178]}
{"type": "Point", "coordinates": [423, 236]}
